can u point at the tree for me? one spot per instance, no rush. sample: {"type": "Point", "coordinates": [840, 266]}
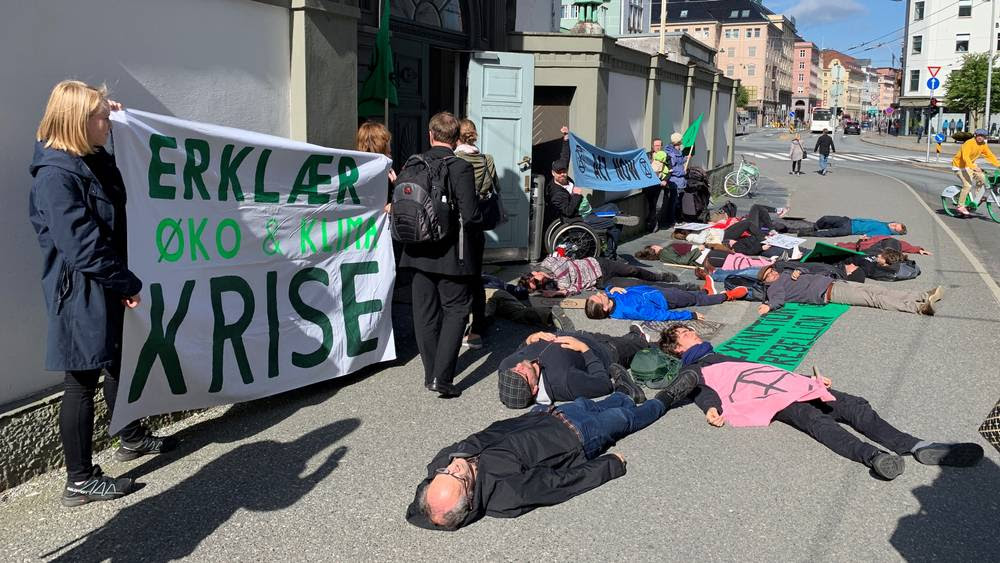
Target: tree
{"type": "Point", "coordinates": [967, 87]}
{"type": "Point", "coordinates": [743, 96]}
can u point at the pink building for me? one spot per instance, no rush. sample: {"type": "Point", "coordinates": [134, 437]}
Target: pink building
{"type": "Point", "coordinates": [805, 79]}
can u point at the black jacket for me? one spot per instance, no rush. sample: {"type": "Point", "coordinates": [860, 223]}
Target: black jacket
{"type": "Point", "coordinates": [833, 271]}
{"type": "Point", "coordinates": [824, 144]}
{"type": "Point", "coordinates": [568, 374]}
{"type": "Point", "coordinates": [80, 223]}
{"type": "Point", "coordinates": [524, 462]}
{"type": "Point", "coordinates": [559, 203]}
{"type": "Point", "coordinates": [442, 257]}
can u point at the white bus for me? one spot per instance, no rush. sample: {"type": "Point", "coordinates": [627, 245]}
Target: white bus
{"type": "Point", "coordinates": [822, 118]}
{"type": "Point", "coordinates": [742, 122]}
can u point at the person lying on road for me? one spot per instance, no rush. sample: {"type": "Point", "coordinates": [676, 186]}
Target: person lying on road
{"type": "Point", "coordinates": [645, 303]}
{"type": "Point", "coordinates": [558, 276]}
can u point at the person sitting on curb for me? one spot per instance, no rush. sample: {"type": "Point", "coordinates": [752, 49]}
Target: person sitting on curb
{"type": "Point", "coordinates": [557, 276]}
{"type": "Point", "coordinates": [748, 394]}
{"type": "Point", "coordinates": [796, 287]}
{"type": "Point", "coordinates": [645, 303]}
{"type": "Point", "coordinates": [839, 226]}
{"type": "Point", "coordinates": [557, 367]}
{"type": "Point", "coordinates": [541, 458]}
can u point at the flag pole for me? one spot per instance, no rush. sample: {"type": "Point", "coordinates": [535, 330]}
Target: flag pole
{"type": "Point", "coordinates": [385, 111]}
{"type": "Point", "coordinates": [663, 23]}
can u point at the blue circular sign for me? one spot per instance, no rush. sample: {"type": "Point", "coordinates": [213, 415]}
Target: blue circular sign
{"type": "Point", "coordinates": [939, 138]}
{"type": "Point", "coordinates": [791, 114]}
{"type": "Point", "coordinates": [933, 83]}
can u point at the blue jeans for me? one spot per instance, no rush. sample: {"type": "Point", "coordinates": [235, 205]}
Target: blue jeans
{"type": "Point", "coordinates": [602, 423]}
{"type": "Point", "coordinates": [824, 160]}
{"type": "Point", "coordinates": [721, 275]}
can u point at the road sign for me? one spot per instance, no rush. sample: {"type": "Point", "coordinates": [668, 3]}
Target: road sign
{"type": "Point", "coordinates": [933, 83]}
{"type": "Point", "coordinates": [791, 114]}
{"type": "Point", "coordinates": [939, 138]}
{"type": "Point", "coordinates": [933, 70]}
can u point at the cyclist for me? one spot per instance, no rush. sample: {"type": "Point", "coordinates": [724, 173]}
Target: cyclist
{"type": "Point", "coordinates": [964, 166]}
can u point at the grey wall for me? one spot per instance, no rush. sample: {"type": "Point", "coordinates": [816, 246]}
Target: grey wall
{"type": "Point", "coordinates": [221, 61]}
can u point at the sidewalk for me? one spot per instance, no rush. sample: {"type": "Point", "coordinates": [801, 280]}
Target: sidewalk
{"type": "Point", "coordinates": [907, 143]}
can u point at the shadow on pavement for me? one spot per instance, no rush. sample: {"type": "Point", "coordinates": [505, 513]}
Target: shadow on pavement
{"type": "Point", "coordinates": [504, 339]}
{"type": "Point", "coordinates": [958, 518]}
{"type": "Point", "coordinates": [261, 476]}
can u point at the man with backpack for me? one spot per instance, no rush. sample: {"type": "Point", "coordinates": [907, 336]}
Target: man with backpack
{"type": "Point", "coordinates": [435, 215]}
{"type": "Point", "coordinates": [824, 144]}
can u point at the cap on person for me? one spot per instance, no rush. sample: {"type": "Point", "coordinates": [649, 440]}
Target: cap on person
{"type": "Point", "coordinates": [763, 272]}
{"type": "Point", "coordinates": [981, 132]}
{"type": "Point", "coordinates": [676, 138]}
{"type": "Point", "coordinates": [560, 164]}
{"type": "Point", "coordinates": [514, 390]}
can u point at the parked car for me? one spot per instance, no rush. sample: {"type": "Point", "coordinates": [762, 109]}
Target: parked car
{"type": "Point", "coordinates": [852, 128]}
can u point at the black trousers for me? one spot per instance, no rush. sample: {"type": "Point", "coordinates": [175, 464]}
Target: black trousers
{"type": "Point", "coordinates": [832, 226]}
{"type": "Point", "coordinates": [614, 269]}
{"type": "Point", "coordinates": [797, 165]}
{"type": "Point", "coordinates": [621, 348]}
{"type": "Point", "coordinates": [821, 421]}
{"type": "Point", "coordinates": [478, 290]}
{"type": "Point", "coordinates": [679, 299]}
{"type": "Point", "coordinates": [76, 419]}
{"type": "Point", "coordinates": [440, 310]}
{"type": "Point", "coordinates": [666, 218]}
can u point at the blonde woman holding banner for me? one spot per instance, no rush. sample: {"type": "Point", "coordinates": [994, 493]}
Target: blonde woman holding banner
{"type": "Point", "coordinates": [77, 208]}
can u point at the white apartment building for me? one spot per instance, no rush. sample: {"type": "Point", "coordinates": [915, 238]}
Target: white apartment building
{"type": "Point", "coordinates": [939, 33]}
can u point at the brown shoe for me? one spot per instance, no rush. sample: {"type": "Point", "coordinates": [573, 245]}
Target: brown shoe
{"type": "Point", "coordinates": [934, 295]}
{"type": "Point", "coordinates": [700, 273]}
{"type": "Point", "coordinates": [925, 309]}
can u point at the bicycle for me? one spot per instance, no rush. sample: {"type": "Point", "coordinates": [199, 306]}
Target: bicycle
{"type": "Point", "coordinates": [740, 182]}
{"type": "Point", "coordinates": [981, 195]}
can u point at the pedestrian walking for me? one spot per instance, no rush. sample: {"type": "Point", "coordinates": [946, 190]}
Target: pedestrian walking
{"type": "Point", "coordinates": [824, 146]}
{"type": "Point", "coordinates": [920, 133]}
{"type": "Point", "coordinates": [442, 270]}
{"type": "Point", "coordinates": [796, 154]}
{"type": "Point", "coordinates": [77, 208]}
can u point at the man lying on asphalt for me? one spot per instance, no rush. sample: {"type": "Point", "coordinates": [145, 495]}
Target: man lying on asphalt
{"type": "Point", "coordinates": [796, 287]}
{"type": "Point", "coordinates": [558, 276]}
{"type": "Point", "coordinates": [839, 226]}
{"type": "Point", "coordinates": [540, 458]}
{"type": "Point", "coordinates": [549, 368]}
{"type": "Point", "coordinates": [747, 394]}
{"type": "Point", "coordinates": [646, 303]}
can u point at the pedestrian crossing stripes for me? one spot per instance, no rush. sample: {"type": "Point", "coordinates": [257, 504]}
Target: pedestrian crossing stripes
{"type": "Point", "coordinates": [851, 157]}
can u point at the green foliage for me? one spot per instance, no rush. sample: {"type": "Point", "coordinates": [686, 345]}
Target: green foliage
{"type": "Point", "coordinates": [967, 87]}
{"type": "Point", "coordinates": [742, 96]}
{"type": "Point", "coordinates": [963, 136]}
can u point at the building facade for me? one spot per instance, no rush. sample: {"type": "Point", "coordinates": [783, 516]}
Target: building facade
{"type": "Point", "coordinates": [842, 83]}
{"type": "Point", "coordinates": [619, 18]}
{"type": "Point", "coordinates": [754, 45]}
{"type": "Point", "coordinates": [805, 79]}
{"type": "Point", "coordinates": [939, 33]}
{"type": "Point", "coordinates": [888, 87]}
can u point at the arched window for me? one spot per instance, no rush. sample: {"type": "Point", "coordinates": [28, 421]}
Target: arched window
{"type": "Point", "coordinates": [443, 14]}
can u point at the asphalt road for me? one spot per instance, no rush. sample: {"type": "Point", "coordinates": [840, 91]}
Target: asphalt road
{"type": "Point", "coordinates": [326, 472]}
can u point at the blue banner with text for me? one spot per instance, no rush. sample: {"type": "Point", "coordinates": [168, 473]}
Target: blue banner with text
{"type": "Point", "coordinates": [599, 169]}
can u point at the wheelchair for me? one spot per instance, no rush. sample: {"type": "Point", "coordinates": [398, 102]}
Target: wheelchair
{"type": "Point", "coordinates": [575, 239]}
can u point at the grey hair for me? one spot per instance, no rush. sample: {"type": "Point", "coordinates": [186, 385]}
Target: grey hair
{"type": "Point", "coordinates": [450, 520]}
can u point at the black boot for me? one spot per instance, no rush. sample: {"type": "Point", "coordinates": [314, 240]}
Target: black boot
{"type": "Point", "coordinates": [680, 387]}
{"type": "Point", "coordinates": [622, 382]}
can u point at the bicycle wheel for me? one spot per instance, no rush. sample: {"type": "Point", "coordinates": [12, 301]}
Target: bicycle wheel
{"type": "Point", "coordinates": [949, 200]}
{"type": "Point", "coordinates": [993, 205]}
{"type": "Point", "coordinates": [734, 187]}
{"type": "Point", "coordinates": [577, 240]}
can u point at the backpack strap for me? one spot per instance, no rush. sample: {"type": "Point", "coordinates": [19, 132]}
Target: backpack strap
{"type": "Point", "coordinates": [454, 204]}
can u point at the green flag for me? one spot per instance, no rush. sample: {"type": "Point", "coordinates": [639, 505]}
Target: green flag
{"type": "Point", "coordinates": [379, 86]}
{"type": "Point", "coordinates": [691, 135]}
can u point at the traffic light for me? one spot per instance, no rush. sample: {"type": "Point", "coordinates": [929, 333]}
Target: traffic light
{"type": "Point", "coordinates": [934, 102]}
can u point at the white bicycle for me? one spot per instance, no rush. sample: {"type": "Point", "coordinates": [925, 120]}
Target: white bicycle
{"type": "Point", "coordinates": [740, 182]}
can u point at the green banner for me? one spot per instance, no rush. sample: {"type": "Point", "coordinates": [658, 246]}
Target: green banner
{"type": "Point", "coordinates": [782, 338]}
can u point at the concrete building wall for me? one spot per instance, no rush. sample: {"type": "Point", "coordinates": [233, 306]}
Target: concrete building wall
{"type": "Point", "coordinates": [671, 103]}
{"type": "Point", "coordinates": [723, 126]}
{"type": "Point", "coordinates": [700, 104]}
{"type": "Point", "coordinates": [626, 109]}
{"type": "Point", "coordinates": [538, 15]}
{"type": "Point", "coordinates": [222, 61]}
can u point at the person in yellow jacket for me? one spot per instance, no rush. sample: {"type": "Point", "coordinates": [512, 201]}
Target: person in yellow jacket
{"type": "Point", "coordinates": [964, 166]}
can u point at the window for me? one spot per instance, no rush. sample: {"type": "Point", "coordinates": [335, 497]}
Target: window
{"type": "Point", "coordinates": [736, 14]}
{"type": "Point", "coordinates": [801, 90]}
{"type": "Point", "coordinates": [802, 77]}
{"type": "Point", "coordinates": [750, 34]}
{"type": "Point", "coordinates": [965, 10]}
{"type": "Point", "coordinates": [752, 71]}
{"type": "Point", "coordinates": [802, 66]}
{"type": "Point", "coordinates": [918, 44]}
{"type": "Point", "coordinates": [730, 69]}
{"type": "Point", "coordinates": [756, 33]}
{"type": "Point", "coordinates": [962, 43]}
{"type": "Point", "coordinates": [746, 14]}
{"type": "Point", "coordinates": [704, 32]}
{"type": "Point", "coordinates": [802, 53]}
{"type": "Point", "coordinates": [752, 52]}
{"type": "Point", "coordinates": [732, 53]}
{"type": "Point", "coordinates": [684, 14]}
{"type": "Point", "coordinates": [915, 81]}
{"type": "Point", "coordinates": [918, 12]}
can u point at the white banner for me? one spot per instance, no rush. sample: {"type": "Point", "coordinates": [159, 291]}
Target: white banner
{"type": "Point", "coordinates": [266, 264]}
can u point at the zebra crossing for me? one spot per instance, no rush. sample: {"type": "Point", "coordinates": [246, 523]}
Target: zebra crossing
{"type": "Point", "coordinates": [851, 157]}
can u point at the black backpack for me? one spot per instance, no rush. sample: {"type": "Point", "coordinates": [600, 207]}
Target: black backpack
{"type": "Point", "coordinates": [423, 203]}
{"type": "Point", "coordinates": [755, 288]}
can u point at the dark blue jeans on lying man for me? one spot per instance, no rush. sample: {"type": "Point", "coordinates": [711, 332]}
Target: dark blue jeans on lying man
{"type": "Point", "coordinates": [602, 423]}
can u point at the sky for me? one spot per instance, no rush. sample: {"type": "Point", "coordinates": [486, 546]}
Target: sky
{"type": "Point", "coordinates": [842, 24]}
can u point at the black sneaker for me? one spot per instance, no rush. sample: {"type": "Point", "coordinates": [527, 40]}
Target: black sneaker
{"type": "Point", "coordinates": [560, 320]}
{"type": "Point", "coordinates": [682, 386]}
{"type": "Point", "coordinates": [887, 466]}
{"type": "Point", "coordinates": [148, 445]}
{"type": "Point", "coordinates": [667, 277]}
{"type": "Point", "coordinates": [956, 455]}
{"type": "Point", "coordinates": [622, 382]}
{"type": "Point", "coordinates": [98, 487]}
